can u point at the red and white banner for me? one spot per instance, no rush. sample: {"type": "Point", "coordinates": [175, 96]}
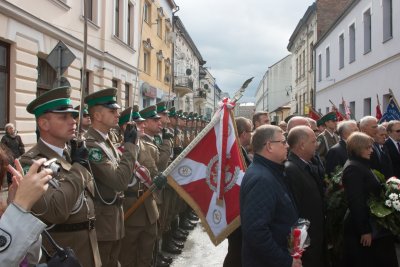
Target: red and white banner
{"type": "Point", "coordinates": [208, 174]}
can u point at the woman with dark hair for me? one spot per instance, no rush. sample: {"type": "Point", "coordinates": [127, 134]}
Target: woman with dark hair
{"type": "Point", "coordinates": [19, 229]}
{"type": "Point", "coordinates": [365, 243]}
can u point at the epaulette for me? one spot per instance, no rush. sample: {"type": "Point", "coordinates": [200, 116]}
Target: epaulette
{"type": "Point", "coordinates": [32, 153]}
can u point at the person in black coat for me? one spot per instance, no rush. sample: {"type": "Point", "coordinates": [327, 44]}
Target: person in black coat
{"type": "Point", "coordinates": [266, 207]}
{"type": "Point", "coordinates": [369, 125]}
{"type": "Point", "coordinates": [365, 243]}
{"type": "Point", "coordinates": [304, 182]}
{"type": "Point", "coordinates": [392, 145]}
{"type": "Point", "coordinates": [337, 155]}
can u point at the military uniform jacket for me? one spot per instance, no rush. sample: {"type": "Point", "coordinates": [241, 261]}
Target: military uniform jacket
{"type": "Point", "coordinates": [147, 213]}
{"type": "Point", "coordinates": [68, 201]}
{"type": "Point", "coordinates": [165, 149]}
{"type": "Point", "coordinates": [325, 141]}
{"type": "Point", "coordinates": [112, 174]}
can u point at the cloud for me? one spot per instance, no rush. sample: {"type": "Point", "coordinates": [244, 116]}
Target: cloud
{"type": "Point", "coordinates": [241, 39]}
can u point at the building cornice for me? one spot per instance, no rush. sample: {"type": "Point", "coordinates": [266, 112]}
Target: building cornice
{"type": "Point", "coordinates": [188, 39]}
{"type": "Point", "coordinates": [20, 15]}
{"type": "Point", "coordinates": [303, 21]}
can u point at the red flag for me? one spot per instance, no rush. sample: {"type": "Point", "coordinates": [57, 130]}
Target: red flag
{"type": "Point", "coordinates": [339, 116]}
{"type": "Point", "coordinates": [346, 109]}
{"type": "Point", "coordinates": [378, 112]}
{"type": "Point", "coordinates": [313, 114]}
{"type": "Point", "coordinates": [197, 175]}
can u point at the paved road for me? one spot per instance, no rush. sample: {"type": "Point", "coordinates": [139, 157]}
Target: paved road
{"type": "Point", "coordinates": [199, 251]}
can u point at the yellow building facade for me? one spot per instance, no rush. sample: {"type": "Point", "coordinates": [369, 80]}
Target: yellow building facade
{"type": "Point", "coordinates": [155, 68]}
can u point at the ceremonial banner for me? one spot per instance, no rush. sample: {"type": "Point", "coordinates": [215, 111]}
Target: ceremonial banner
{"type": "Point", "coordinates": [208, 174]}
{"type": "Point", "coordinates": [346, 110]}
{"type": "Point", "coordinates": [392, 112]}
{"type": "Point", "coordinates": [313, 114]}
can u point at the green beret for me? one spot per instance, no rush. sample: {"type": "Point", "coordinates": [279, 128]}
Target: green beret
{"type": "Point", "coordinates": [84, 110]}
{"type": "Point", "coordinates": [135, 114]}
{"type": "Point", "coordinates": [56, 100]}
{"type": "Point", "coordinates": [149, 113]}
{"type": "Point", "coordinates": [172, 113]}
{"type": "Point", "coordinates": [162, 107]}
{"type": "Point", "coordinates": [106, 97]}
{"type": "Point", "coordinates": [125, 116]}
{"type": "Point", "coordinates": [331, 116]}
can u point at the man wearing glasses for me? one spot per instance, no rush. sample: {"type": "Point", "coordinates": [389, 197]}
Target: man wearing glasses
{"type": "Point", "coordinates": [267, 209]}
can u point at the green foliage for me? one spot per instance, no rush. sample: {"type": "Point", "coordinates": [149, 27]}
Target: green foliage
{"type": "Point", "coordinates": [336, 207]}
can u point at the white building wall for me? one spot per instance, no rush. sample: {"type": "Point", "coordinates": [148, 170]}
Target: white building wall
{"type": "Point", "coordinates": [371, 73]}
{"type": "Point", "coordinates": [279, 82]}
{"type": "Point", "coordinates": [261, 96]}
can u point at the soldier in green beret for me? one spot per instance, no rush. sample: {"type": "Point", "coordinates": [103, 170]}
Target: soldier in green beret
{"type": "Point", "coordinates": [143, 238]}
{"type": "Point", "coordinates": [112, 172]}
{"type": "Point", "coordinates": [328, 138]}
{"type": "Point", "coordinates": [85, 122]}
{"type": "Point", "coordinates": [67, 206]}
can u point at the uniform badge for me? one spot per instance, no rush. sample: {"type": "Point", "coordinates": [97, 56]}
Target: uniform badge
{"type": "Point", "coordinates": [25, 169]}
{"type": "Point", "coordinates": [95, 154]}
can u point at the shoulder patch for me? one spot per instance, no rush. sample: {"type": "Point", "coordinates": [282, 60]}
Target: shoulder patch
{"type": "Point", "coordinates": [25, 169]}
{"type": "Point", "coordinates": [95, 154]}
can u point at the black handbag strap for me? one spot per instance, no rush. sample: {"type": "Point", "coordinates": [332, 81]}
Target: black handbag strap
{"type": "Point", "coordinates": [59, 250]}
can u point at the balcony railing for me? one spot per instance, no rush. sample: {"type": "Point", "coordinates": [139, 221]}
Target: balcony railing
{"type": "Point", "coordinates": [201, 94]}
{"type": "Point", "coordinates": [182, 81]}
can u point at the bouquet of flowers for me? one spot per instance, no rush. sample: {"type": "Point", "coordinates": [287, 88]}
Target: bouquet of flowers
{"type": "Point", "coordinates": [386, 208]}
{"type": "Point", "coordinates": [299, 239]}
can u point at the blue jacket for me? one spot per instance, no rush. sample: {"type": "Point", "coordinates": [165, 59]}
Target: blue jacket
{"type": "Point", "coordinates": [267, 215]}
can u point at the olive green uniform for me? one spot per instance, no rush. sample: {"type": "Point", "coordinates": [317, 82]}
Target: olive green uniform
{"type": "Point", "coordinates": [141, 226]}
{"type": "Point", "coordinates": [326, 140]}
{"type": "Point", "coordinates": [112, 174]}
{"type": "Point", "coordinates": [68, 206]}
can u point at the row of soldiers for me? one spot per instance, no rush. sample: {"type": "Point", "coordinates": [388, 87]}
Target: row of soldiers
{"type": "Point", "coordinates": [104, 172]}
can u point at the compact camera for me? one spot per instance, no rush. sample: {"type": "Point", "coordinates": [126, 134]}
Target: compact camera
{"type": "Point", "coordinates": [53, 166]}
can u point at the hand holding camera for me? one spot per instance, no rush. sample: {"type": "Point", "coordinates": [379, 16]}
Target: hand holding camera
{"type": "Point", "coordinates": [26, 190]}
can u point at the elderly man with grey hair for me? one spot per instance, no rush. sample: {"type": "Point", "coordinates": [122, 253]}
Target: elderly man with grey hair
{"type": "Point", "coordinates": [337, 155]}
{"type": "Point", "coordinates": [306, 185]}
{"type": "Point", "coordinates": [266, 206]}
{"type": "Point", "coordinates": [369, 125]}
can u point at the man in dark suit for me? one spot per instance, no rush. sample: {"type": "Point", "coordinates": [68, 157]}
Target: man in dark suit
{"type": "Point", "coordinates": [392, 144]}
{"type": "Point", "coordinates": [234, 256]}
{"type": "Point", "coordinates": [369, 125]}
{"type": "Point", "coordinates": [305, 183]}
{"type": "Point", "coordinates": [337, 155]}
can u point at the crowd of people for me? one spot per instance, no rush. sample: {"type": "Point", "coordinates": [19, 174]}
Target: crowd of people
{"type": "Point", "coordinates": [94, 181]}
{"type": "Point", "coordinates": [287, 181]}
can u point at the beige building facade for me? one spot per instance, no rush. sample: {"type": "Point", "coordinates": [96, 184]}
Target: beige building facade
{"type": "Point", "coordinates": [30, 30]}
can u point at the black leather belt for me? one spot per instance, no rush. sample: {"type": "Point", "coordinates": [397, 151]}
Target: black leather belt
{"type": "Point", "coordinates": [72, 227]}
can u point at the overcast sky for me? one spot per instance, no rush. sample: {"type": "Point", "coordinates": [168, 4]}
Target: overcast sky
{"type": "Point", "coordinates": [240, 39]}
